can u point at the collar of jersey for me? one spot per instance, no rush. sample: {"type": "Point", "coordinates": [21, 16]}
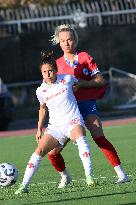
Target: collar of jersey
{"type": "Point", "coordinates": [74, 64]}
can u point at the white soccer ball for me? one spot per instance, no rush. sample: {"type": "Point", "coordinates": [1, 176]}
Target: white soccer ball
{"type": "Point", "coordinates": [8, 174]}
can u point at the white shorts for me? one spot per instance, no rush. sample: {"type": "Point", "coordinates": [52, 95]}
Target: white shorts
{"type": "Point", "coordinates": [62, 133]}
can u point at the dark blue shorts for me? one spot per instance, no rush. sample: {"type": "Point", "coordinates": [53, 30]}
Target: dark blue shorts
{"type": "Point", "coordinates": [87, 107]}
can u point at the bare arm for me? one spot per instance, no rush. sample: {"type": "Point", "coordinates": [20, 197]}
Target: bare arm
{"type": "Point", "coordinates": [97, 81]}
{"type": "Point", "coordinates": [42, 115]}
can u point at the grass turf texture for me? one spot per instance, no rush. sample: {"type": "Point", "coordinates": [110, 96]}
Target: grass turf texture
{"type": "Point", "coordinates": [43, 189]}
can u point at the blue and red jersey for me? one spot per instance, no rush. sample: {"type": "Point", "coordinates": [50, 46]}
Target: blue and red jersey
{"type": "Point", "coordinates": [84, 68]}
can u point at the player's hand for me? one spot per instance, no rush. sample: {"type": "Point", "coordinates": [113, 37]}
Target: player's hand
{"type": "Point", "coordinates": [75, 87]}
{"type": "Point", "coordinates": [38, 135]}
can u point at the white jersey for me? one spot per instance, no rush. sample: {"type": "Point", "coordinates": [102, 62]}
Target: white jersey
{"type": "Point", "coordinates": [60, 100]}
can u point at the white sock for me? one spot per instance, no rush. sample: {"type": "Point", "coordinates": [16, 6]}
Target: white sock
{"type": "Point", "coordinates": [84, 153]}
{"type": "Point", "coordinates": [119, 171]}
{"type": "Point", "coordinates": [31, 168]}
{"type": "Point", "coordinates": [64, 173]}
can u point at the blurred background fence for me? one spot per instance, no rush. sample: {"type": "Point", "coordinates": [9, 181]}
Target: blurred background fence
{"type": "Point", "coordinates": [36, 18]}
{"type": "Point", "coordinates": [121, 93]}
{"type": "Point", "coordinates": [104, 29]}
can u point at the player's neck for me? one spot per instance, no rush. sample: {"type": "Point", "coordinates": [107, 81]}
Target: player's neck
{"type": "Point", "coordinates": [51, 82]}
{"type": "Point", "coordinates": [70, 57]}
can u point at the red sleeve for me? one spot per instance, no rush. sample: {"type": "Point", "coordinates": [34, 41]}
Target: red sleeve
{"type": "Point", "coordinates": [91, 64]}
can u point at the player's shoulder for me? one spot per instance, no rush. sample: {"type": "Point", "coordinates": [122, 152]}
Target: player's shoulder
{"type": "Point", "coordinates": [40, 88]}
{"type": "Point", "coordinates": [83, 54]}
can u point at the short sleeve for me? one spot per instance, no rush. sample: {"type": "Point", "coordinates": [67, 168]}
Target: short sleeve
{"type": "Point", "coordinates": [91, 64]}
{"type": "Point", "coordinates": [39, 97]}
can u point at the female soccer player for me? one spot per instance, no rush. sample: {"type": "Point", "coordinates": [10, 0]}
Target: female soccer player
{"type": "Point", "coordinates": [82, 66]}
{"type": "Point", "coordinates": [65, 120]}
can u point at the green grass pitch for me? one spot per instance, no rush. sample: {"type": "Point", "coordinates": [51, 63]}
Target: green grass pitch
{"type": "Point", "coordinates": [43, 189]}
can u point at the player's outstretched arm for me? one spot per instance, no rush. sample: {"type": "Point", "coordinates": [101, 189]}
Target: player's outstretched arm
{"type": "Point", "coordinates": [97, 81]}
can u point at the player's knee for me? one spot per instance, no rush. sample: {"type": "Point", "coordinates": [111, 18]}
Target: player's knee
{"type": "Point", "coordinates": [54, 151]}
{"type": "Point", "coordinates": [40, 151]}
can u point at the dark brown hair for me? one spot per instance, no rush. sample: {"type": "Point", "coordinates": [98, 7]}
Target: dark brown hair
{"type": "Point", "coordinates": [48, 58]}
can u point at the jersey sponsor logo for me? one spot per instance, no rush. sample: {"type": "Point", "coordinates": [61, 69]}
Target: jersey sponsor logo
{"type": "Point", "coordinates": [58, 93]}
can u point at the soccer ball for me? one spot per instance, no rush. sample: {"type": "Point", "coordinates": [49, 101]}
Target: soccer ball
{"type": "Point", "coordinates": [8, 174]}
